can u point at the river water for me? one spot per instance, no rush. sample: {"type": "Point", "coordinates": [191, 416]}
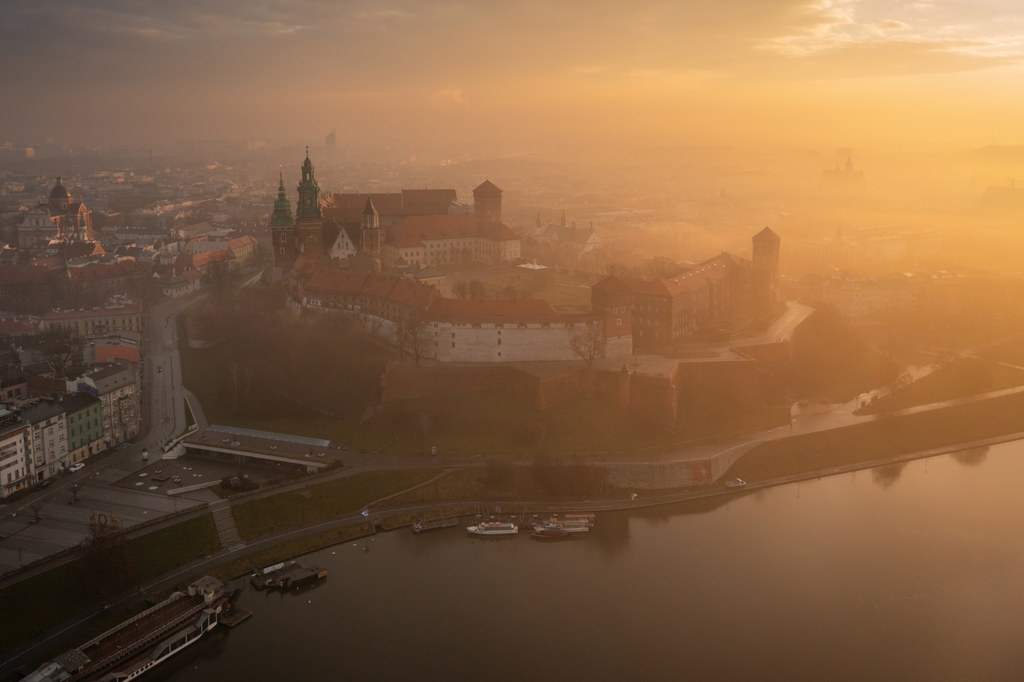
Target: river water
{"type": "Point", "coordinates": [905, 572]}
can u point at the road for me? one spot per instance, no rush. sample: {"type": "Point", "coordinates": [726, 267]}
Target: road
{"type": "Point", "coordinates": [61, 515]}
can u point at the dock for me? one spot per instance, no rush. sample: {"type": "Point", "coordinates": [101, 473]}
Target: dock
{"type": "Point", "coordinates": [286, 576]}
{"type": "Point", "coordinates": [235, 617]}
{"type": "Point", "coordinates": [421, 525]}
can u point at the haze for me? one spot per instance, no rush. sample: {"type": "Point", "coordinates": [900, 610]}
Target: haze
{"type": "Point", "coordinates": [516, 76]}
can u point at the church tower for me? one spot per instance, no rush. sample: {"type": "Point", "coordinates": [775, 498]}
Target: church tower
{"type": "Point", "coordinates": [308, 220]}
{"type": "Point", "coordinates": [765, 268]}
{"type": "Point", "coordinates": [370, 230]}
{"type": "Point", "coordinates": [282, 228]}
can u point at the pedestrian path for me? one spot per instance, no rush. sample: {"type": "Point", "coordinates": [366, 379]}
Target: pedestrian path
{"type": "Point", "coordinates": [226, 529]}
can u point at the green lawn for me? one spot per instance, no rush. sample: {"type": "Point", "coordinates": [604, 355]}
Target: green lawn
{"type": "Point", "coordinates": [958, 379]}
{"type": "Point", "coordinates": [882, 438]}
{"type": "Point", "coordinates": [322, 501]}
{"type": "Point", "coordinates": [50, 598]}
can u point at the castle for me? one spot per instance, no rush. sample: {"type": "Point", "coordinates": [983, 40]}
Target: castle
{"type": "Point", "coordinates": [371, 232]}
{"type": "Point", "coordinates": [626, 317]}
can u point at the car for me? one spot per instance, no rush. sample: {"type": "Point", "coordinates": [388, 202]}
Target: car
{"type": "Point", "coordinates": [77, 466]}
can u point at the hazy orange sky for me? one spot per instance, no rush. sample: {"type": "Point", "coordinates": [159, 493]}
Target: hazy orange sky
{"type": "Point", "coordinates": [523, 73]}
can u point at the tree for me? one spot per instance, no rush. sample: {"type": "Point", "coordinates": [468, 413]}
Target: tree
{"type": "Point", "coordinates": [412, 332]}
{"type": "Point", "coordinates": [587, 342]}
{"type": "Point", "coordinates": [217, 276]}
{"type": "Point", "coordinates": [61, 348]}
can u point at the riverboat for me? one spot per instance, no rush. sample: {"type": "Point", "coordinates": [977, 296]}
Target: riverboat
{"type": "Point", "coordinates": [574, 523]}
{"type": "Point", "coordinates": [493, 528]}
{"type": "Point", "coordinates": [139, 644]}
{"type": "Point", "coordinates": [735, 483]}
{"type": "Point", "coordinates": [549, 531]}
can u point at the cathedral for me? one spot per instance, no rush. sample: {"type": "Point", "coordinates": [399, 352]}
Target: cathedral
{"type": "Point", "coordinates": [371, 232]}
{"type": "Point", "coordinates": [61, 219]}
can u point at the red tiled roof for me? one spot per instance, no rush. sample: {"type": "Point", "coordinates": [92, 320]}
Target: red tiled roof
{"type": "Point", "coordinates": [698, 278]}
{"type": "Point", "coordinates": [399, 290]}
{"type": "Point", "coordinates": [201, 260]}
{"type": "Point", "coordinates": [114, 351]}
{"type": "Point", "coordinates": [414, 230]}
{"type": "Point", "coordinates": [348, 208]}
{"type": "Point", "coordinates": [487, 189]}
{"type": "Point", "coordinates": [612, 285]}
{"type": "Point", "coordinates": [242, 242]}
{"type": "Point", "coordinates": [491, 309]}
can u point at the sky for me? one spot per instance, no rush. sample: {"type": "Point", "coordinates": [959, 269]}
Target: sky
{"type": "Point", "coordinates": [519, 74]}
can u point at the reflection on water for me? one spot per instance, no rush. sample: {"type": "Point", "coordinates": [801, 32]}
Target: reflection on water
{"type": "Point", "coordinates": [848, 577]}
{"type": "Point", "coordinates": [886, 475]}
{"type": "Point", "coordinates": [972, 456]}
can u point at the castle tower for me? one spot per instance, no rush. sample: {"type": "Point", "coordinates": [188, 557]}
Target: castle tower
{"type": "Point", "coordinates": [487, 203]}
{"type": "Point", "coordinates": [765, 268]}
{"type": "Point", "coordinates": [308, 219]}
{"type": "Point", "coordinates": [282, 228]}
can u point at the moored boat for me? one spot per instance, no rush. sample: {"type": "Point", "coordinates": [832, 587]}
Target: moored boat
{"type": "Point", "coordinates": [493, 528]}
{"type": "Point", "coordinates": [548, 531]}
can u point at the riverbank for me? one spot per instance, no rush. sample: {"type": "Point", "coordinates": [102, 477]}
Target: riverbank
{"type": "Point", "coordinates": [472, 489]}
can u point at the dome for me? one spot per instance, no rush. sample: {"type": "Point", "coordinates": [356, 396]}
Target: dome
{"type": "Point", "coordinates": [60, 192]}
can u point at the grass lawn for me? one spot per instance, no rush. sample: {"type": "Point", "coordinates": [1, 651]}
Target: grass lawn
{"type": "Point", "coordinates": [882, 438]}
{"type": "Point", "coordinates": [44, 600]}
{"type": "Point", "coordinates": [322, 501]}
{"type": "Point", "coordinates": [958, 379]}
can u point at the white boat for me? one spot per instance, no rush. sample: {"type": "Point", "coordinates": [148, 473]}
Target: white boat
{"type": "Point", "coordinates": [735, 483]}
{"type": "Point", "coordinates": [161, 652]}
{"type": "Point", "coordinates": [493, 528]}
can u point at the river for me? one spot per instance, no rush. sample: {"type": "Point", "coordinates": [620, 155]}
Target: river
{"type": "Point", "coordinates": [903, 572]}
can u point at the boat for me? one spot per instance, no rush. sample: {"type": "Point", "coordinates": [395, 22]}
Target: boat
{"type": "Point", "coordinates": [574, 523]}
{"type": "Point", "coordinates": [735, 483]}
{"type": "Point", "coordinates": [549, 531]}
{"type": "Point", "coordinates": [493, 528]}
{"type": "Point", "coordinates": [587, 518]}
{"type": "Point", "coordinates": [142, 642]}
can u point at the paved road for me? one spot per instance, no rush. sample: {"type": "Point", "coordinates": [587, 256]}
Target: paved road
{"type": "Point", "coordinates": [60, 516]}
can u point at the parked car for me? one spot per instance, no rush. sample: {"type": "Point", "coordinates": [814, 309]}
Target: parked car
{"type": "Point", "coordinates": [77, 466]}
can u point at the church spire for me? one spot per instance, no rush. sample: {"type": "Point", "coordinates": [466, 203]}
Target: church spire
{"type": "Point", "coordinates": [309, 192]}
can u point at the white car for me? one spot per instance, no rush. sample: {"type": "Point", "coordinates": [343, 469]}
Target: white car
{"type": "Point", "coordinates": [77, 466]}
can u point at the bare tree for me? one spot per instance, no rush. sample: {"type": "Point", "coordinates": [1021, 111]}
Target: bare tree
{"type": "Point", "coordinates": [418, 337]}
{"type": "Point", "coordinates": [412, 333]}
{"type": "Point", "coordinates": [61, 348]}
{"type": "Point", "coordinates": [587, 342]}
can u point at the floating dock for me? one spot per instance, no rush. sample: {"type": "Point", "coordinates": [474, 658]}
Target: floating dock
{"type": "Point", "coordinates": [421, 525]}
{"type": "Point", "coordinates": [289, 575]}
